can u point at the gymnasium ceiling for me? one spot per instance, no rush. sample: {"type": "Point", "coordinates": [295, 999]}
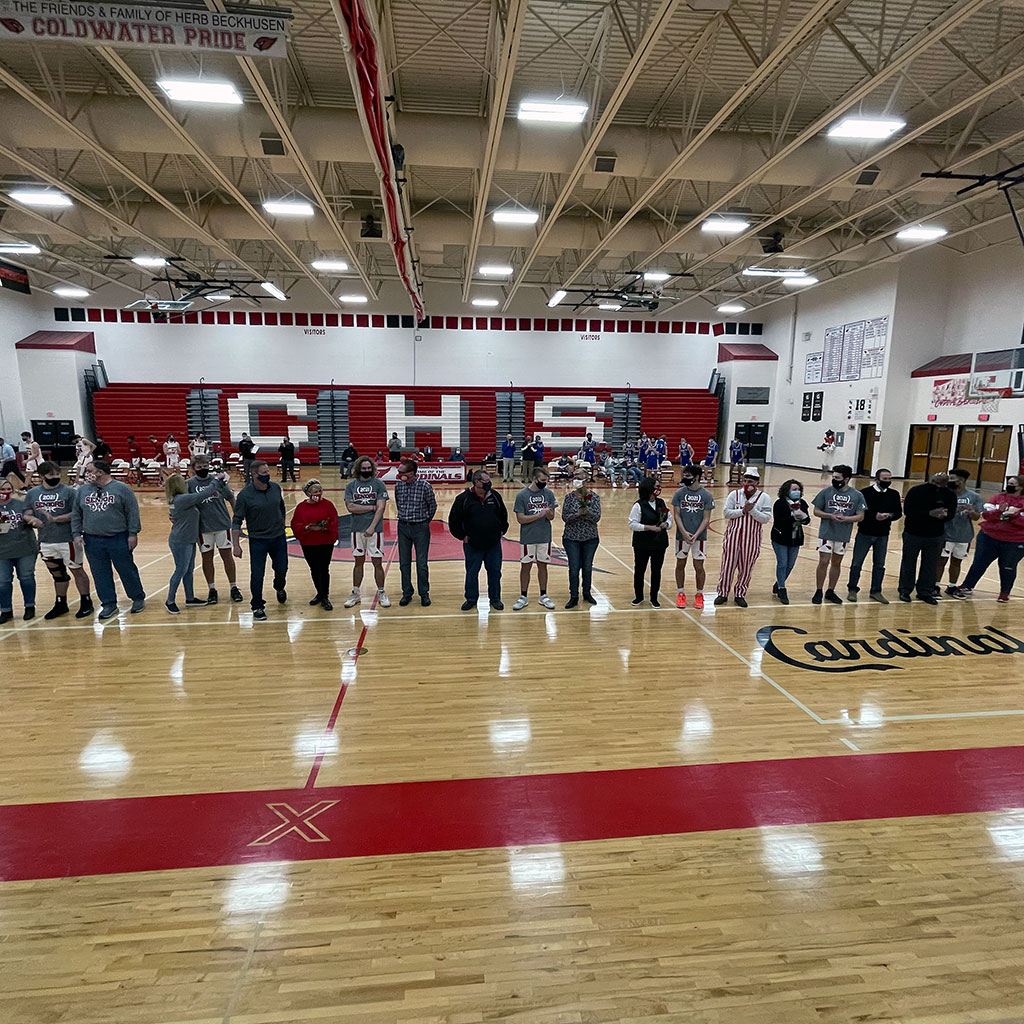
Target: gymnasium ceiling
{"type": "Point", "coordinates": [714, 106]}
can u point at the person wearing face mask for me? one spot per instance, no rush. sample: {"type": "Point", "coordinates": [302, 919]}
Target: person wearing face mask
{"type": "Point", "coordinates": [456, 455]}
{"type": "Point", "coordinates": [838, 507]}
{"type": "Point", "coordinates": [508, 459]}
{"type": "Point", "coordinates": [394, 447]}
{"type": "Point", "coordinates": [581, 512]}
{"type": "Point", "coordinates": [286, 449]}
{"type": "Point", "coordinates": [260, 505]}
{"type": "Point", "coordinates": [959, 532]}
{"type": "Point", "coordinates": [691, 507]}
{"type": "Point", "coordinates": [17, 554]}
{"type": "Point", "coordinates": [1000, 538]}
{"type": "Point", "coordinates": [534, 509]}
{"type": "Point", "coordinates": [214, 524]}
{"type": "Point", "coordinates": [747, 510]}
{"type": "Point", "coordinates": [649, 523]}
{"type": "Point", "coordinates": [926, 509]}
{"type": "Point", "coordinates": [529, 460]}
{"type": "Point", "coordinates": [315, 526]}
{"type": "Point", "coordinates": [789, 513]}
{"type": "Point", "coordinates": [416, 504]}
{"type": "Point", "coordinates": [365, 499]}
{"type": "Point", "coordinates": [172, 452]}
{"type": "Point", "coordinates": [883, 507]}
{"type": "Point", "coordinates": [247, 449]}
{"type": "Point", "coordinates": [49, 511]}
{"type": "Point", "coordinates": [479, 519]}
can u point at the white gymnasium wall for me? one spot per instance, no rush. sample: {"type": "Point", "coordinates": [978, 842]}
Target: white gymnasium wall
{"type": "Point", "coordinates": [20, 315]}
{"type": "Point", "coordinates": [985, 308]}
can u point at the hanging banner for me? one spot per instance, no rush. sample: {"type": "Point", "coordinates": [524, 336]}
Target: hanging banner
{"type": "Point", "coordinates": [252, 34]}
{"type": "Point", "coordinates": [14, 277]}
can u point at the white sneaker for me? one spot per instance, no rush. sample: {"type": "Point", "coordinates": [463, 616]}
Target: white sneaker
{"type": "Point", "coordinates": [383, 600]}
{"type": "Point", "coordinates": [354, 598]}
{"type": "Point", "coordinates": [521, 603]}
{"type": "Point", "coordinates": [546, 601]}
{"type": "Point", "coordinates": [614, 484]}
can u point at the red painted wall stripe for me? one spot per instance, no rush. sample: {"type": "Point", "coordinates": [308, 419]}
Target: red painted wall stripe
{"type": "Point", "coordinates": [92, 837]}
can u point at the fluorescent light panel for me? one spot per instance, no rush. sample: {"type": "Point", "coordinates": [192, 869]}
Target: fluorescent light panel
{"type": "Point", "coordinates": [485, 302]}
{"type": "Point", "coordinates": [328, 266]}
{"type": "Point", "coordinates": [610, 306]}
{"type": "Point", "coordinates": [22, 248]}
{"type": "Point", "coordinates": [922, 233]}
{"type": "Point", "coordinates": [865, 128]}
{"type": "Point", "coordinates": [725, 225]}
{"type": "Point", "coordinates": [288, 208]}
{"type": "Point", "coordinates": [556, 298]}
{"type": "Point", "coordinates": [799, 282]}
{"type": "Point", "coordinates": [200, 90]}
{"type": "Point", "coordinates": [553, 111]}
{"type": "Point", "coordinates": [656, 275]}
{"type": "Point", "coordinates": [70, 292]}
{"type": "Point", "coordinates": [495, 270]}
{"type": "Point", "coordinates": [773, 272]}
{"type": "Point", "coordinates": [218, 298]}
{"type": "Point", "coordinates": [513, 215]}
{"type": "Point", "coordinates": [149, 261]}
{"type": "Point", "coordinates": [271, 289]}
{"type": "Point", "coordinates": [39, 197]}
{"type": "Point", "coordinates": [732, 307]}
{"type": "Point", "coordinates": [356, 299]}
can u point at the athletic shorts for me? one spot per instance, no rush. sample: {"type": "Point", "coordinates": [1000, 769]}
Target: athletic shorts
{"type": "Point", "coordinates": [214, 539]}
{"type": "Point", "coordinates": [367, 544]}
{"type": "Point", "coordinates": [695, 549]}
{"type": "Point", "coordinates": [832, 547]}
{"type": "Point", "coordinates": [530, 553]}
{"type": "Point", "coordinates": [65, 552]}
{"type": "Point", "coordinates": [956, 549]}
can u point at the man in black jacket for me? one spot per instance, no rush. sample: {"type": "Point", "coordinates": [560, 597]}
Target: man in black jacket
{"type": "Point", "coordinates": [348, 456]}
{"type": "Point", "coordinates": [884, 508]}
{"type": "Point", "coordinates": [287, 452]}
{"type": "Point", "coordinates": [247, 449]}
{"type": "Point", "coordinates": [926, 509]}
{"type": "Point", "coordinates": [479, 519]}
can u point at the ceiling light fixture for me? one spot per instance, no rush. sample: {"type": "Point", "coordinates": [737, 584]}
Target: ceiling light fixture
{"type": "Point", "coordinates": [494, 270]}
{"type": "Point", "coordinates": [656, 275]}
{"type": "Point", "coordinates": [556, 298]}
{"type": "Point", "coordinates": [219, 297]}
{"type": "Point", "coordinates": [485, 302]}
{"type": "Point", "coordinates": [512, 215]}
{"type": "Point", "coordinates": [271, 289]}
{"type": "Point", "coordinates": [200, 90]}
{"type": "Point", "coordinates": [725, 225]}
{"type": "Point", "coordinates": [865, 128]}
{"type": "Point", "coordinates": [799, 282]}
{"type": "Point", "coordinates": [553, 111]}
{"type": "Point", "coordinates": [328, 266]}
{"type": "Point", "coordinates": [921, 233]}
{"type": "Point", "coordinates": [356, 299]}
{"type": "Point", "coordinates": [70, 292]}
{"type": "Point", "coordinates": [151, 262]}
{"type": "Point", "coordinates": [22, 248]}
{"type": "Point", "coordinates": [610, 306]}
{"type": "Point", "coordinates": [288, 207]}
{"type": "Point", "coordinates": [772, 272]}
{"type": "Point", "coordinates": [39, 197]}
{"type": "Point", "coordinates": [732, 307]}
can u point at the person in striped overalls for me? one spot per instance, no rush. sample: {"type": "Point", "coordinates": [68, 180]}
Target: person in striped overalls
{"type": "Point", "coordinates": [747, 510]}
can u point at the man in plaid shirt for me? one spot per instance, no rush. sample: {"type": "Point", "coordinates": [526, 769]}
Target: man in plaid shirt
{"type": "Point", "coordinates": [416, 504]}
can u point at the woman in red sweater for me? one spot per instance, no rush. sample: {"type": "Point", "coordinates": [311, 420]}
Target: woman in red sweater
{"type": "Point", "coordinates": [315, 525]}
{"type": "Point", "coordinates": [1001, 537]}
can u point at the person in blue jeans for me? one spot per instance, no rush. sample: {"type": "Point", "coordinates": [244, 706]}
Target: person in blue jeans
{"type": "Point", "coordinates": [105, 519]}
{"type": "Point", "coordinates": [18, 549]}
{"type": "Point", "coordinates": [479, 519]}
{"type": "Point", "coordinates": [183, 508]}
{"type": "Point", "coordinates": [260, 505]}
{"type": "Point", "coordinates": [581, 512]}
{"type": "Point", "coordinates": [789, 514]}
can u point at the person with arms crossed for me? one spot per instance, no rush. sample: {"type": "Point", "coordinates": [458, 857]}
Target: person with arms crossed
{"type": "Point", "coordinates": [49, 511]}
{"type": "Point", "coordinates": [883, 506]}
{"type": "Point", "coordinates": [789, 513]}
{"type": "Point", "coordinates": [959, 532]}
{"type": "Point", "coordinates": [260, 505]}
{"type": "Point", "coordinates": [365, 498]}
{"type": "Point", "coordinates": [508, 459]}
{"type": "Point", "coordinates": [105, 518]}
{"type": "Point", "coordinates": [214, 524]}
{"type": "Point", "coordinates": [479, 519]}
{"type": "Point", "coordinates": [315, 527]}
{"type": "Point", "coordinates": [926, 509]}
{"type": "Point", "coordinates": [18, 550]}
{"type": "Point", "coordinates": [691, 508]}
{"type": "Point", "coordinates": [838, 507]}
{"type": "Point", "coordinates": [534, 509]}
{"type": "Point", "coordinates": [747, 510]}
{"type": "Point", "coordinates": [1001, 537]}
{"type": "Point", "coordinates": [416, 505]}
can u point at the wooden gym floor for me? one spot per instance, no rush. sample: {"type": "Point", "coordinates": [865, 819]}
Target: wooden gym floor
{"type": "Point", "coordinates": [607, 814]}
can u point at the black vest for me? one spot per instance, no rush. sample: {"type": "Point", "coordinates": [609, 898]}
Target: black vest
{"type": "Point", "coordinates": [645, 540]}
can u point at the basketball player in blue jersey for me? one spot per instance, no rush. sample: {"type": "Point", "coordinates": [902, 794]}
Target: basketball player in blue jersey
{"type": "Point", "coordinates": [710, 459]}
{"type": "Point", "coordinates": [685, 453]}
{"type": "Point", "coordinates": [661, 446]}
{"type": "Point", "coordinates": [588, 451]}
{"type": "Point", "coordinates": [652, 460]}
{"type": "Point", "coordinates": [737, 451]}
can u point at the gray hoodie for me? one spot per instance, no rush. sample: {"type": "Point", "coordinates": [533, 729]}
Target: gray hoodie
{"type": "Point", "coordinates": [105, 511]}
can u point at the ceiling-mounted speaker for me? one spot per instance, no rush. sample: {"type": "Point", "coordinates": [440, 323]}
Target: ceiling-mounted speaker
{"type": "Point", "coordinates": [604, 163]}
{"type": "Point", "coordinates": [771, 244]}
{"type": "Point", "coordinates": [868, 176]}
{"type": "Point", "coordinates": [272, 145]}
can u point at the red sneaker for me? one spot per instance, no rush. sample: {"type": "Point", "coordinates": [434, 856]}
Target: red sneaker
{"type": "Point", "coordinates": [680, 600]}
{"type": "Point", "coordinates": [698, 601]}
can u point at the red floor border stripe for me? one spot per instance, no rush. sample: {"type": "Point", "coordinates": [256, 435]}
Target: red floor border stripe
{"type": "Point", "coordinates": [96, 837]}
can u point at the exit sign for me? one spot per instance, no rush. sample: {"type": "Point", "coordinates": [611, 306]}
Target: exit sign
{"type": "Point", "coordinates": [983, 417]}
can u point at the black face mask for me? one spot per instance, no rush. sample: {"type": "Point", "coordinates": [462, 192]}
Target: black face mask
{"type": "Point", "coordinates": [838, 482]}
{"type": "Point", "coordinates": [689, 481]}
{"type": "Point", "coordinates": [486, 485]}
{"type": "Point", "coordinates": [204, 472]}
{"type": "Point", "coordinates": [366, 473]}
{"type": "Point", "coordinates": [52, 481]}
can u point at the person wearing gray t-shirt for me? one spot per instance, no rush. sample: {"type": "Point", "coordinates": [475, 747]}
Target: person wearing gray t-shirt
{"type": "Point", "coordinates": [365, 498]}
{"type": "Point", "coordinates": [17, 554]}
{"type": "Point", "coordinates": [691, 506]}
{"type": "Point", "coordinates": [49, 511]}
{"type": "Point", "coordinates": [837, 507]}
{"type": "Point", "coordinates": [183, 508]}
{"type": "Point", "coordinates": [534, 509]}
{"type": "Point", "coordinates": [959, 532]}
{"type": "Point", "coordinates": [214, 524]}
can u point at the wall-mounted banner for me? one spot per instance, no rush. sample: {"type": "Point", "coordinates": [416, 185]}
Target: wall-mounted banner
{"type": "Point", "coordinates": [147, 26]}
{"type": "Point", "coordinates": [14, 277]}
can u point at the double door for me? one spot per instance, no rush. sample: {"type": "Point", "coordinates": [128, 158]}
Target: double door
{"type": "Point", "coordinates": [929, 450]}
{"type": "Point", "coordinates": [984, 451]}
{"type": "Point", "coordinates": [755, 437]}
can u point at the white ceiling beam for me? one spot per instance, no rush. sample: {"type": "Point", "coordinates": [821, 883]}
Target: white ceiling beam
{"type": "Point", "coordinates": [502, 88]}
